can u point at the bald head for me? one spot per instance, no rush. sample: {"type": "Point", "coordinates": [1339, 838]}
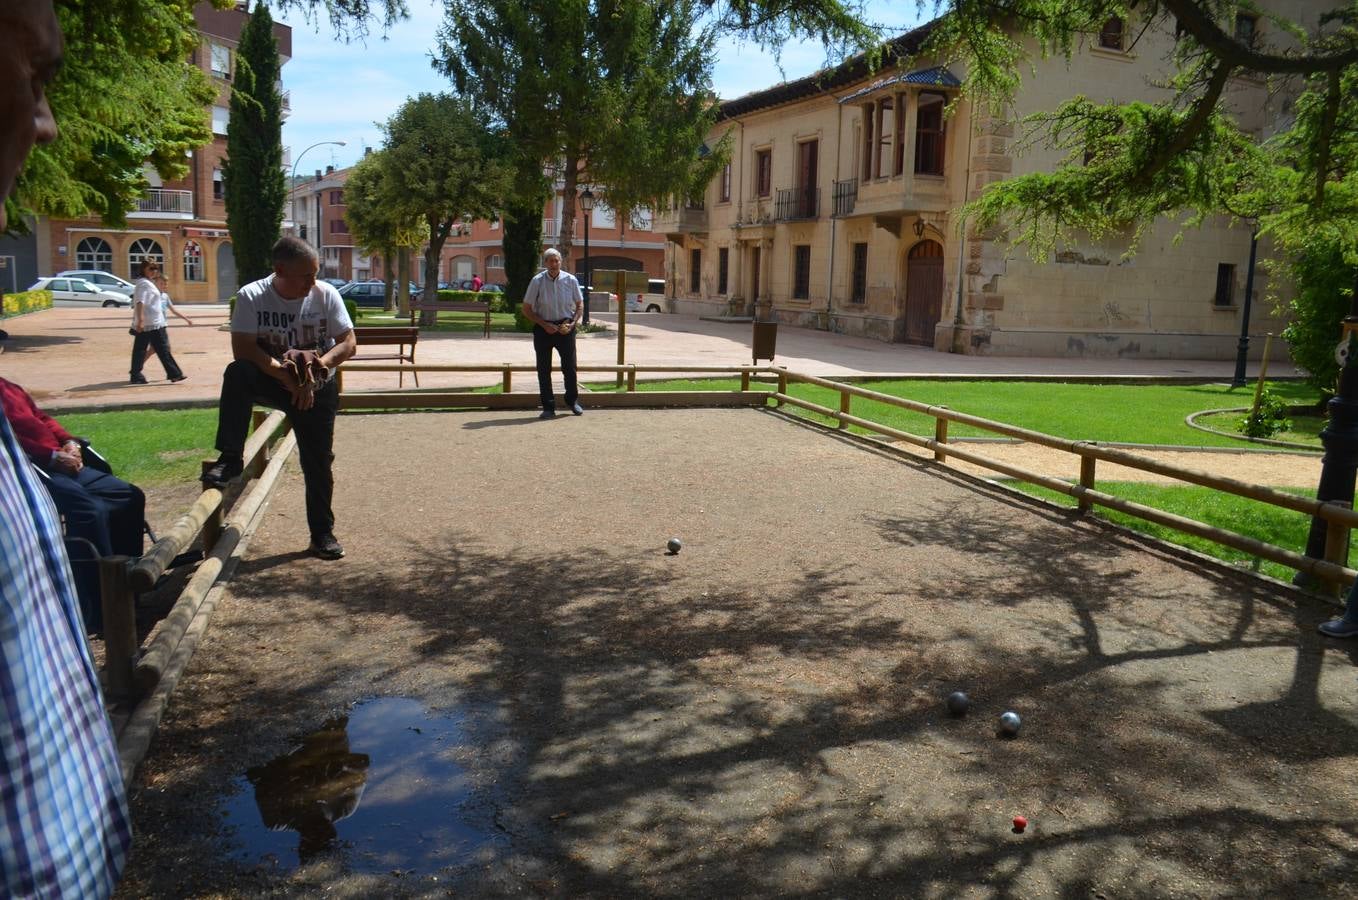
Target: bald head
{"type": "Point", "coordinates": [30, 54]}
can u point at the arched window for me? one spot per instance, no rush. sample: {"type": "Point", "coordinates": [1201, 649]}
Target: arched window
{"type": "Point", "coordinates": [193, 262]}
{"type": "Point", "coordinates": [94, 253]}
{"type": "Point", "coordinates": [142, 250]}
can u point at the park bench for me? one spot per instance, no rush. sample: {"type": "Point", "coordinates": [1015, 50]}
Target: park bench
{"type": "Point", "coordinates": [399, 336]}
{"type": "Point", "coordinates": [462, 306]}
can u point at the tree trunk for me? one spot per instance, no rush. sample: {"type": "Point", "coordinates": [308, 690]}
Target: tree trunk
{"type": "Point", "coordinates": [403, 280]}
{"type": "Point", "coordinates": [387, 297]}
{"type": "Point", "coordinates": [570, 178]}
{"type": "Point", "coordinates": [438, 235]}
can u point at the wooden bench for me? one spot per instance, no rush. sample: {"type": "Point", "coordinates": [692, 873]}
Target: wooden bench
{"type": "Point", "coordinates": [438, 306]}
{"type": "Point", "coordinates": [399, 336]}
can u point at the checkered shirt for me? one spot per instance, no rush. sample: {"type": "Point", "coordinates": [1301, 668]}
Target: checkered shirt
{"type": "Point", "coordinates": [64, 828]}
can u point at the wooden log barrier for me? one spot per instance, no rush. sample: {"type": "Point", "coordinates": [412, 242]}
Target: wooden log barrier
{"type": "Point", "coordinates": [120, 625]}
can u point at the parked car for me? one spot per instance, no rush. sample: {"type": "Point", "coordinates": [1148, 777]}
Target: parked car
{"type": "Point", "coordinates": [336, 282]}
{"type": "Point", "coordinates": [106, 281]}
{"type": "Point", "coordinates": [78, 291]}
{"type": "Point", "coordinates": [494, 288]}
{"type": "Point", "coordinates": [651, 301]}
{"type": "Point", "coordinates": [369, 294]}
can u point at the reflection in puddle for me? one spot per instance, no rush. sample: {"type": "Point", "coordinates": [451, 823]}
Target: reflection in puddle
{"type": "Point", "coordinates": [378, 786]}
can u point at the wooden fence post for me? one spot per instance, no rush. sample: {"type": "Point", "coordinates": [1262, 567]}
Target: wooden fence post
{"type": "Point", "coordinates": [1087, 464]}
{"type": "Point", "coordinates": [632, 379]}
{"type": "Point", "coordinates": [212, 528]}
{"type": "Point", "coordinates": [1336, 551]}
{"type": "Point", "coordinates": [782, 384]}
{"type": "Point", "coordinates": [940, 437]}
{"type": "Point", "coordinates": [506, 380]}
{"type": "Point", "coordinates": [843, 408]}
{"type": "Point", "coordinates": [744, 379]}
{"type": "Point", "coordinates": [120, 625]}
{"type": "Point", "coordinates": [255, 466]}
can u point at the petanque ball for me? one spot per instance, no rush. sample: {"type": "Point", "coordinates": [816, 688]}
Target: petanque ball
{"type": "Point", "coordinates": [1010, 723]}
{"type": "Point", "coordinates": [674, 545]}
{"type": "Point", "coordinates": [958, 703]}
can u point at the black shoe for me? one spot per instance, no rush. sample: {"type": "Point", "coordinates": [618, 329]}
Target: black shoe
{"type": "Point", "coordinates": [225, 470]}
{"type": "Point", "coordinates": [547, 414]}
{"type": "Point", "coordinates": [178, 378]}
{"type": "Point", "coordinates": [325, 546]}
{"type": "Point", "coordinates": [577, 409]}
{"type": "Point", "coordinates": [137, 379]}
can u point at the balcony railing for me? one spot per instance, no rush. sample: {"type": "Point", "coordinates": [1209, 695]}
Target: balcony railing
{"type": "Point", "coordinates": [162, 202]}
{"type": "Point", "coordinates": [551, 228]}
{"type": "Point", "coordinates": [797, 203]}
{"type": "Point", "coordinates": [845, 195]}
{"type": "Point", "coordinates": [688, 220]}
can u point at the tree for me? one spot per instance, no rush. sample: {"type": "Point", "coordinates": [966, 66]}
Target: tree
{"type": "Point", "coordinates": [613, 94]}
{"type": "Point", "coordinates": [252, 173]}
{"type": "Point", "coordinates": [443, 165]}
{"type": "Point", "coordinates": [1188, 156]}
{"type": "Point", "coordinates": [128, 96]}
{"type": "Point", "coordinates": [371, 209]}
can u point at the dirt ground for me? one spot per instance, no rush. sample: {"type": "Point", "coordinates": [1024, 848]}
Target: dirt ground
{"type": "Point", "coordinates": [763, 713]}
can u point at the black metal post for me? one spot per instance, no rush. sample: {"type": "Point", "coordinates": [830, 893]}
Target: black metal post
{"type": "Point", "coordinates": [1244, 346]}
{"type": "Point", "coordinates": [589, 279]}
{"type": "Point", "coordinates": [1340, 439]}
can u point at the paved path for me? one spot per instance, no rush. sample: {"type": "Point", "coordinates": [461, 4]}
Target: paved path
{"type": "Point", "coordinates": [79, 357]}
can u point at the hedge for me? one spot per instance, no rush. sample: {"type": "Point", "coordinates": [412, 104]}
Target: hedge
{"type": "Point", "coordinates": [25, 301]}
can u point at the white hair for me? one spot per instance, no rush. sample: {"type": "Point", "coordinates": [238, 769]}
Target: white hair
{"type": "Point", "coordinates": [551, 251]}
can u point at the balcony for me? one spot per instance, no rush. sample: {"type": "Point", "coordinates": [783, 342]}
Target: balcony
{"type": "Point", "coordinates": [901, 194]}
{"type": "Point", "coordinates": [551, 229]}
{"type": "Point", "coordinates": [160, 203]}
{"type": "Point", "coordinates": [675, 223]}
{"type": "Point", "coordinates": [844, 195]}
{"type": "Point", "coordinates": [797, 203]}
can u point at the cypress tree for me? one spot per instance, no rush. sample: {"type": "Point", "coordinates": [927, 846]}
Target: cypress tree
{"type": "Point", "coordinates": [252, 173]}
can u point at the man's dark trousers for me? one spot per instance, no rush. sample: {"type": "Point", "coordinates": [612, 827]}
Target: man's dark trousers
{"type": "Point", "coordinates": [563, 344]}
{"type": "Point", "coordinates": [158, 339]}
{"type": "Point", "coordinates": [244, 385]}
{"type": "Point", "coordinates": [105, 511]}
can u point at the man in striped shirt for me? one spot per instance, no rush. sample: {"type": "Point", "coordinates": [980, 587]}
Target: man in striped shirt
{"type": "Point", "coordinates": [64, 828]}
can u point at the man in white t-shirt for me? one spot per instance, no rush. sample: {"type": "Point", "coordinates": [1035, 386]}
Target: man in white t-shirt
{"type": "Point", "coordinates": [289, 310]}
{"type": "Point", "coordinates": [553, 304]}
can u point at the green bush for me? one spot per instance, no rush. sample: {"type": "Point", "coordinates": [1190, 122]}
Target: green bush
{"type": "Point", "coordinates": [461, 296]}
{"type": "Point", "coordinates": [1269, 419]}
{"type": "Point", "coordinates": [25, 301]}
{"type": "Point", "coordinates": [1323, 285]}
{"type": "Point", "coordinates": [521, 322]}
{"type": "Point", "coordinates": [499, 303]}
{"type": "Point", "coordinates": [352, 308]}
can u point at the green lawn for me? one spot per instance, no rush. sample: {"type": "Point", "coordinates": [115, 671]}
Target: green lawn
{"type": "Point", "coordinates": [1304, 430]}
{"type": "Point", "coordinates": [1145, 414]}
{"type": "Point", "coordinates": [454, 323]}
{"type": "Point", "coordinates": [1281, 527]}
{"type": "Point", "coordinates": [150, 447]}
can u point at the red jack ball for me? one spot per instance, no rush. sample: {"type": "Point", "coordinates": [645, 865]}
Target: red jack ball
{"type": "Point", "coordinates": [1020, 823]}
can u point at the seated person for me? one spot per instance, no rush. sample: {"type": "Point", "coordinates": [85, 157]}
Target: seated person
{"type": "Point", "coordinates": [104, 510]}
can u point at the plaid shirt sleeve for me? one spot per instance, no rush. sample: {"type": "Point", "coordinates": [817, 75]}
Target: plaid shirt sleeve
{"type": "Point", "coordinates": [64, 828]}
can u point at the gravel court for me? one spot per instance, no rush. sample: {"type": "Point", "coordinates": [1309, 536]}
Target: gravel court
{"type": "Point", "coordinates": [762, 714]}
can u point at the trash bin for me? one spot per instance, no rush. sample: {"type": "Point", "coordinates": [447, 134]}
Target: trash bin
{"type": "Point", "coordinates": [765, 340]}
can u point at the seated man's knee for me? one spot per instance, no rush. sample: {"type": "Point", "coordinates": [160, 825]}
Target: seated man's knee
{"type": "Point", "coordinates": [238, 371]}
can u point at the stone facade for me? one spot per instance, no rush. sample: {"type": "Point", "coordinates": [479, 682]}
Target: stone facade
{"type": "Point", "coordinates": [840, 210]}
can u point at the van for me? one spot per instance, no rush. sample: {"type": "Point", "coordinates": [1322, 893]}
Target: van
{"type": "Point", "coordinates": [651, 301]}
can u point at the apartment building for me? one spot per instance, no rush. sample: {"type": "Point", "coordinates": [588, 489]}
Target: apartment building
{"type": "Point", "coordinates": [180, 224]}
{"type": "Point", "coordinates": [840, 207]}
{"type": "Point", "coordinates": [316, 215]}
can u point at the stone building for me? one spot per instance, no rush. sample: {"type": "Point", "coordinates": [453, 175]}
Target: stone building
{"type": "Point", "coordinates": [839, 210]}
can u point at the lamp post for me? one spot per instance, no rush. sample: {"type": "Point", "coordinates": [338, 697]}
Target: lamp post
{"type": "Point", "coordinates": [587, 204]}
{"type": "Point", "coordinates": [1243, 347]}
{"type": "Point", "coordinates": [292, 182]}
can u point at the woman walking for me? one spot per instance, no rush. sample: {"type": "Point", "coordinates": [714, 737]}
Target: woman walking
{"type": "Point", "coordinates": [149, 304]}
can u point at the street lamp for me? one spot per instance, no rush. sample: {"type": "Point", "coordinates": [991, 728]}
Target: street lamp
{"type": "Point", "coordinates": [1243, 347]}
{"type": "Point", "coordinates": [292, 182]}
{"type": "Point", "coordinates": [587, 204]}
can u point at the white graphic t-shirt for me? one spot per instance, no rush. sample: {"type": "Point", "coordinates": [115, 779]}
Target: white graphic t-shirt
{"type": "Point", "coordinates": [279, 325]}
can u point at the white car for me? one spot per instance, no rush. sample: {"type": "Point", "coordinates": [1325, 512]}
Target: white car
{"type": "Point", "coordinates": [79, 292]}
{"type": "Point", "coordinates": [651, 300]}
{"type": "Point", "coordinates": [105, 281]}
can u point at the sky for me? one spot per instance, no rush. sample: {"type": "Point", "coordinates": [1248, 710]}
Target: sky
{"type": "Point", "coordinates": [339, 91]}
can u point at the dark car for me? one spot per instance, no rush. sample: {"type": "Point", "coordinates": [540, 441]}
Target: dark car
{"type": "Point", "coordinates": [336, 282]}
{"type": "Point", "coordinates": [367, 294]}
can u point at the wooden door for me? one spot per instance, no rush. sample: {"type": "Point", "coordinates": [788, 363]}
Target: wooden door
{"type": "Point", "coordinates": [923, 292]}
{"type": "Point", "coordinates": [807, 164]}
{"type": "Point", "coordinates": [754, 274]}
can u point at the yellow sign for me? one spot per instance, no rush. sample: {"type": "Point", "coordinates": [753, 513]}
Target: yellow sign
{"type": "Point", "coordinates": [633, 282]}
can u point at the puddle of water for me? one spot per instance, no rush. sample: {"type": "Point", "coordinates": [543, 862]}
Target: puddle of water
{"type": "Point", "coordinates": [379, 787]}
